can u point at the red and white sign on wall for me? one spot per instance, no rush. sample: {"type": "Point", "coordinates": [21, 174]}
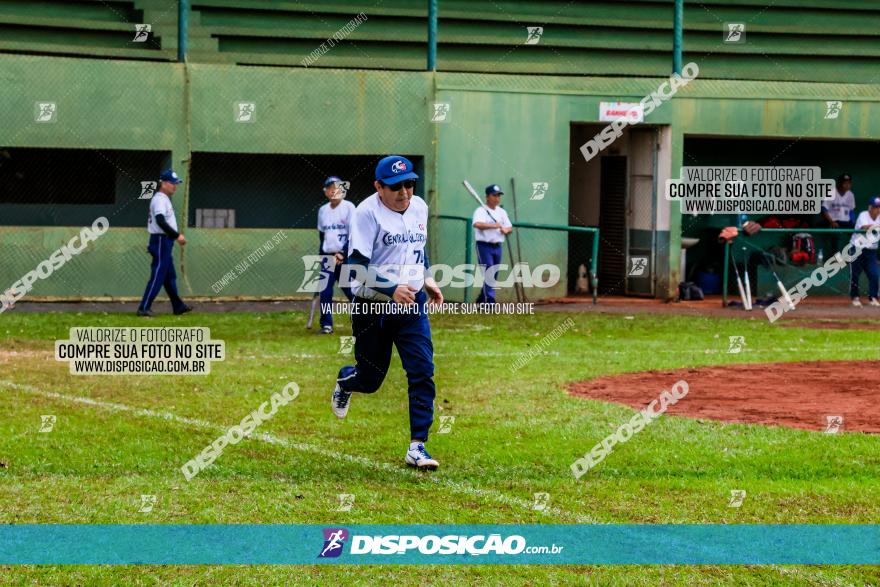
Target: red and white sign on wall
{"type": "Point", "coordinates": [631, 111]}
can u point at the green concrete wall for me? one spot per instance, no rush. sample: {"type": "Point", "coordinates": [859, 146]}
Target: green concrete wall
{"type": "Point", "coordinates": [501, 126]}
{"type": "Point", "coordinates": [164, 107]}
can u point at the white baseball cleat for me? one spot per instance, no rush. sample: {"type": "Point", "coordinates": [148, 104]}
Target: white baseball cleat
{"type": "Point", "coordinates": [856, 302]}
{"type": "Point", "coordinates": [873, 302]}
{"type": "Point", "coordinates": [340, 401]}
{"type": "Point", "coordinates": [419, 458]}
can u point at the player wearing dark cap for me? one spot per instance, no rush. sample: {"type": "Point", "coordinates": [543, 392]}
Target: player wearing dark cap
{"type": "Point", "coordinates": [491, 224]}
{"type": "Point", "coordinates": [162, 226]}
{"type": "Point", "coordinates": [389, 237]}
{"type": "Point", "coordinates": [867, 259]}
{"type": "Point", "coordinates": [840, 210]}
{"type": "Point", "coordinates": [334, 223]}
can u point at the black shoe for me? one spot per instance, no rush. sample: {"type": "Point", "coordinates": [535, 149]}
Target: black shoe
{"type": "Point", "coordinates": [183, 310]}
{"type": "Point", "coordinates": [146, 313]}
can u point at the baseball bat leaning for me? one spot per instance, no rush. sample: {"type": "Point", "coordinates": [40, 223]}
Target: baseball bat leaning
{"type": "Point", "coordinates": [739, 285]}
{"type": "Point", "coordinates": [748, 287]}
{"type": "Point", "coordinates": [519, 286]}
{"type": "Point", "coordinates": [784, 291]}
{"type": "Point", "coordinates": [748, 283]}
{"type": "Point", "coordinates": [473, 192]}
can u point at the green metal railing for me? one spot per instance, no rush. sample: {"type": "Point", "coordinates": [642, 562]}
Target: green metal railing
{"type": "Point", "coordinates": [469, 245]}
{"type": "Point", "coordinates": [728, 244]}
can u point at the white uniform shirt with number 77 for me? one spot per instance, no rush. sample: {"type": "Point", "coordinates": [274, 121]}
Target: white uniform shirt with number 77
{"type": "Point", "coordinates": [393, 241]}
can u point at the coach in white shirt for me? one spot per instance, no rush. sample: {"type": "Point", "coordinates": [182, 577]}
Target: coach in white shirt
{"type": "Point", "coordinates": [840, 210]}
{"type": "Point", "coordinates": [491, 224]}
{"type": "Point", "coordinates": [867, 260]}
{"type": "Point", "coordinates": [162, 227]}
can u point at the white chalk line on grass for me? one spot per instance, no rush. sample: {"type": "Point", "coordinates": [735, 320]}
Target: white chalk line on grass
{"type": "Point", "coordinates": [458, 487]}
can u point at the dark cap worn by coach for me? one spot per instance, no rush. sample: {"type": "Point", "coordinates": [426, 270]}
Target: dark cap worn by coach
{"type": "Point", "coordinates": [494, 190]}
{"type": "Point", "coordinates": [874, 203]}
{"type": "Point", "coordinates": [394, 169]}
{"type": "Point", "coordinates": [170, 176]}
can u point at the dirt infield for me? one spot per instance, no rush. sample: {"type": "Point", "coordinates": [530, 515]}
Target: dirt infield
{"type": "Point", "coordinates": [795, 395]}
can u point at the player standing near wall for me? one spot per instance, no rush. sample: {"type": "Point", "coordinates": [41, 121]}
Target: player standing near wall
{"type": "Point", "coordinates": [490, 227]}
{"type": "Point", "coordinates": [162, 226]}
{"type": "Point", "coordinates": [389, 235]}
{"type": "Point", "coordinates": [334, 222]}
{"type": "Point", "coordinates": [840, 210]}
{"type": "Point", "coordinates": [867, 259]}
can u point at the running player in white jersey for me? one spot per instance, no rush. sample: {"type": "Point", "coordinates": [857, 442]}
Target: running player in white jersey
{"type": "Point", "coordinates": [388, 242]}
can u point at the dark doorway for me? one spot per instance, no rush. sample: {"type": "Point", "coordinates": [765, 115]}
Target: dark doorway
{"type": "Point", "coordinates": [612, 225]}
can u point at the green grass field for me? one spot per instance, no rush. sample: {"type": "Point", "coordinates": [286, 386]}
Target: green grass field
{"type": "Point", "coordinates": [513, 436]}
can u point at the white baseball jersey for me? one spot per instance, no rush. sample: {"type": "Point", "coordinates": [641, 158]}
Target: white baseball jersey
{"type": "Point", "coordinates": [840, 206]}
{"type": "Point", "coordinates": [335, 224]}
{"type": "Point", "coordinates": [492, 235]}
{"type": "Point", "coordinates": [863, 221]}
{"type": "Point", "coordinates": [160, 204]}
{"type": "Point", "coordinates": [394, 242]}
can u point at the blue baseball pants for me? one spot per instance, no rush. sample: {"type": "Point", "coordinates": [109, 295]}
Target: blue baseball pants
{"type": "Point", "coordinates": [162, 273]}
{"type": "Point", "coordinates": [374, 334]}
{"type": "Point", "coordinates": [327, 292]}
{"type": "Point", "coordinates": [489, 254]}
{"type": "Point", "coordinates": [867, 262]}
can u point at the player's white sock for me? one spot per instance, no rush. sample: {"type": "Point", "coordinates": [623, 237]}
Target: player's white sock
{"type": "Point", "coordinates": [415, 444]}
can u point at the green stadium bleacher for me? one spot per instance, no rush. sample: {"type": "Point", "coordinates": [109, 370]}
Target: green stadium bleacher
{"type": "Point", "coordinates": [793, 40]}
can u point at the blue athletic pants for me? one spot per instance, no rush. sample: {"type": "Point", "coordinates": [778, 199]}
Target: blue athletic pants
{"type": "Point", "coordinates": [867, 262]}
{"type": "Point", "coordinates": [374, 334]}
{"type": "Point", "coordinates": [489, 254]}
{"type": "Point", "coordinates": [162, 273]}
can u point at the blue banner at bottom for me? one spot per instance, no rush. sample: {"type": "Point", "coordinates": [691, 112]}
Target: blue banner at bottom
{"type": "Point", "coordinates": [440, 544]}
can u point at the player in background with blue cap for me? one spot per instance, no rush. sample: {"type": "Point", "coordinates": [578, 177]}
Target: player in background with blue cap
{"type": "Point", "coordinates": [491, 225]}
{"type": "Point", "coordinates": [162, 227]}
{"type": "Point", "coordinates": [334, 222]}
{"type": "Point", "coordinates": [840, 210]}
{"type": "Point", "coordinates": [389, 237]}
{"type": "Point", "coordinates": [867, 259]}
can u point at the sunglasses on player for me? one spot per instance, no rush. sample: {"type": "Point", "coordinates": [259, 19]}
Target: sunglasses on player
{"type": "Point", "coordinates": [396, 187]}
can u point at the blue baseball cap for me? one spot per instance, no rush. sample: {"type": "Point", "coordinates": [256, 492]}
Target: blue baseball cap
{"type": "Point", "coordinates": [331, 179]}
{"type": "Point", "coordinates": [395, 168]}
{"type": "Point", "coordinates": [493, 189]}
{"type": "Point", "coordinates": [875, 202]}
{"type": "Point", "coordinates": [170, 176]}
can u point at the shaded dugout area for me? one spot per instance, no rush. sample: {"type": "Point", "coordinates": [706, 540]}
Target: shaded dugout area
{"type": "Point", "coordinates": [278, 191]}
{"type": "Point", "coordinates": [705, 260]}
{"type": "Point", "coordinates": [71, 187]}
